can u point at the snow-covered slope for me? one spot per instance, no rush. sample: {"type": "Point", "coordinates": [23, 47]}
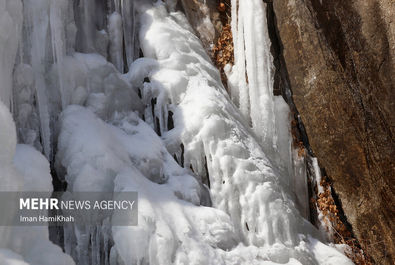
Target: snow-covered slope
{"type": "Point", "coordinates": [212, 189]}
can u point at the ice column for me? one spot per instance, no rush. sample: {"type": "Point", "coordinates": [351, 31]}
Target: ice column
{"type": "Point", "coordinates": [11, 25]}
{"type": "Point", "coordinates": [58, 13]}
{"type": "Point", "coordinates": [251, 79]}
{"type": "Point", "coordinates": [251, 86]}
{"type": "Point", "coordinates": [36, 14]}
{"type": "Point", "coordinates": [129, 30]}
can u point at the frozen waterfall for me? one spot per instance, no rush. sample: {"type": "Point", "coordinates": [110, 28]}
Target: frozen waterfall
{"type": "Point", "coordinates": [120, 95]}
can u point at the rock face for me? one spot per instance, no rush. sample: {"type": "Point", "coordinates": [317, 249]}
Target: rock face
{"type": "Point", "coordinates": [340, 58]}
{"type": "Point", "coordinates": [204, 18]}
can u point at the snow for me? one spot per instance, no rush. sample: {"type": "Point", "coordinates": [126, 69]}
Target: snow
{"type": "Point", "coordinates": [326, 255]}
{"type": "Point", "coordinates": [7, 151]}
{"type": "Point", "coordinates": [34, 168]}
{"type": "Point", "coordinates": [22, 168]}
{"type": "Point", "coordinates": [8, 257]}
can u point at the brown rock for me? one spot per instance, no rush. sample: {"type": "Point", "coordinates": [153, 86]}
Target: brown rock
{"type": "Point", "coordinates": [204, 17]}
{"type": "Point", "coordinates": [340, 58]}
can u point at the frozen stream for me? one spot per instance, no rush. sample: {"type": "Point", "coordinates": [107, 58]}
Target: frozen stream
{"type": "Point", "coordinates": [121, 96]}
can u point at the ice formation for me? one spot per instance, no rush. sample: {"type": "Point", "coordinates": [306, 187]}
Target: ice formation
{"type": "Point", "coordinates": [217, 178]}
{"type": "Point", "coordinates": [11, 25]}
{"type": "Point", "coordinates": [22, 168]}
{"type": "Point", "coordinates": [250, 81]}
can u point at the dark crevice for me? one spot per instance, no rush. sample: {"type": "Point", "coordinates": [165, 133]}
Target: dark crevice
{"type": "Point", "coordinates": [180, 7]}
{"type": "Point", "coordinates": [59, 185]}
{"type": "Point", "coordinates": [334, 33]}
{"type": "Point", "coordinates": [155, 119]}
{"type": "Point", "coordinates": [207, 182]}
{"type": "Point", "coordinates": [342, 215]}
{"type": "Point", "coordinates": [157, 126]}
{"type": "Point", "coordinates": [56, 233]}
{"type": "Point", "coordinates": [170, 121]}
{"type": "Point", "coordinates": [182, 155]}
{"type": "Point", "coordinates": [124, 56]}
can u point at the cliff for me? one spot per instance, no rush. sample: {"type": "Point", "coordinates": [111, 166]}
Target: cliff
{"type": "Point", "coordinates": [339, 56]}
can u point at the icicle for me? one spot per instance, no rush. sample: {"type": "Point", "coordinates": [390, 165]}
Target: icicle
{"type": "Point", "coordinates": [237, 76]}
{"type": "Point", "coordinates": [252, 75]}
{"type": "Point", "coordinates": [283, 157]}
{"type": "Point", "coordinates": [86, 26]}
{"type": "Point", "coordinates": [37, 14]}
{"type": "Point", "coordinates": [129, 30]}
{"type": "Point", "coordinates": [259, 70]}
{"type": "Point", "coordinates": [116, 38]}
{"type": "Point", "coordinates": [58, 11]}
{"type": "Point", "coordinates": [299, 184]}
{"type": "Point", "coordinates": [11, 25]}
